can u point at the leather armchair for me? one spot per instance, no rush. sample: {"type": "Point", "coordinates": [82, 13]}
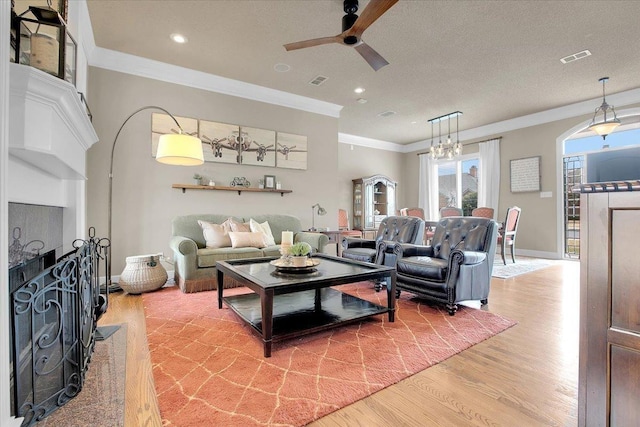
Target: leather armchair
{"type": "Point", "coordinates": [457, 265]}
{"type": "Point", "coordinates": [393, 229]}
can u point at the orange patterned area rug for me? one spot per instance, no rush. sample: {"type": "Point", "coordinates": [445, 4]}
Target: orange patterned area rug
{"type": "Point", "coordinates": [209, 368]}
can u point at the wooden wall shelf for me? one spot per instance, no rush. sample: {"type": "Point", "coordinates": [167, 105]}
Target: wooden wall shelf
{"type": "Point", "coordinates": [186, 187]}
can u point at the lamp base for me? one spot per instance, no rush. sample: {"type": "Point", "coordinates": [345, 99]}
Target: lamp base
{"type": "Point", "coordinates": [313, 229]}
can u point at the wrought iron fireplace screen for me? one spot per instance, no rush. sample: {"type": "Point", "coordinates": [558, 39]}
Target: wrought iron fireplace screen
{"type": "Point", "coordinates": [53, 321]}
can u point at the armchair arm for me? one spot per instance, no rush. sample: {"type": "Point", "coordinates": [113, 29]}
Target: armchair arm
{"type": "Point", "coordinates": [406, 250]}
{"type": "Point", "coordinates": [354, 242]}
{"type": "Point", "coordinates": [317, 240]}
{"type": "Point", "coordinates": [473, 257]}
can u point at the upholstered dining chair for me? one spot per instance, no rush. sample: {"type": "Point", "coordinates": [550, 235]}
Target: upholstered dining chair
{"type": "Point", "coordinates": [483, 212]}
{"type": "Point", "coordinates": [450, 211]}
{"type": "Point", "coordinates": [343, 225]}
{"type": "Point", "coordinates": [507, 233]}
{"type": "Point", "coordinates": [419, 212]}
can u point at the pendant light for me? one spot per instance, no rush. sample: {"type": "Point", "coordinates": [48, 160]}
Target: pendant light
{"type": "Point", "coordinates": [448, 149]}
{"type": "Point", "coordinates": [607, 125]}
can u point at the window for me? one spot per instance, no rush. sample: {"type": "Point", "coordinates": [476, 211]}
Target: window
{"type": "Point", "coordinates": [458, 183]}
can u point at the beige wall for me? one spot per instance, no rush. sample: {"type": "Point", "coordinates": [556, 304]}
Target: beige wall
{"type": "Point", "coordinates": [355, 161]}
{"type": "Point", "coordinates": [537, 231]}
{"type": "Point", "coordinates": [144, 202]}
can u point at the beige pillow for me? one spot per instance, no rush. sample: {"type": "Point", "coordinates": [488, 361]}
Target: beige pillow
{"type": "Point", "coordinates": [215, 235]}
{"type": "Point", "coordinates": [238, 226]}
{"type": "Point", "coordinates": [263, 228]}
{"type": "Point", "coordinates": [247, 239]}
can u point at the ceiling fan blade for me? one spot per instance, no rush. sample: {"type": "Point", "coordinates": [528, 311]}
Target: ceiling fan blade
{"type": "Point", "coordinates": [313, 42]}
{"type": "Point", "coordinates": [369, 15]}
{"type": "Point", "coordinates": [371, 56]}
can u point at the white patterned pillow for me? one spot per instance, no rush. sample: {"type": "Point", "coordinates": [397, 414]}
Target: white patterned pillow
{"type": "Point", "coordinates": [263, 228]}
{"type": "Point", "coordinates": [247, 239]}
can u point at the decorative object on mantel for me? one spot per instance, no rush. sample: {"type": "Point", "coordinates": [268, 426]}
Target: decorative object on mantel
{"type": "Point", "coordinates": [237, 144]}
{"type": "Point", "coordinates": [240, 181]}
{"type": "Point", "coordinates": [239, 189]}
{"type": "Point", "coordinates": [605, 126]}
{"type": "Point", "coordinates": [320, 211]}
{"type": "Point", "coordinates": [173, 149]}
{"type": "Point", "coordinates": [40, 38]}
{"type": "Point", "coordinates": [447, 149]}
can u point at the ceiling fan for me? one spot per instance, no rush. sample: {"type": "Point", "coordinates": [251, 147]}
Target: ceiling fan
{"type": "Point", "coordinates": [352, 29]}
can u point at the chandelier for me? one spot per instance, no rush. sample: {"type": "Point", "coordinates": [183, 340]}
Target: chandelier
{"type": "Point", "coordinates": [447, 149]}
{"type": "Point", "coordinates": [605, 126]}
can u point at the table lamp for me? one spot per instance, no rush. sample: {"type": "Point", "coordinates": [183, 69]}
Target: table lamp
{"type": "Point", "coordinates": [319, 211]}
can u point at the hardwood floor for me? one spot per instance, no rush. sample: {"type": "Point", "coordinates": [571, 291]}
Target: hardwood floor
{"type": "Point", "coordinates": [525, 376]}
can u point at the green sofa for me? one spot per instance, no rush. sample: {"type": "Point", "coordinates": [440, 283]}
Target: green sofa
{"type": "Point", "coordinates": [195, 265]}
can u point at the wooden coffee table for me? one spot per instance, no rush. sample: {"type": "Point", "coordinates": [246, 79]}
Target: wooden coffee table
{"type": "Point", "coordinates": [285, 305]}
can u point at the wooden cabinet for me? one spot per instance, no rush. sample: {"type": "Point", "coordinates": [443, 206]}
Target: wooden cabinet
{"type": "Point", "coordinates": [609, 369]}
{"type": "Point", "coordinates": [374, 198]}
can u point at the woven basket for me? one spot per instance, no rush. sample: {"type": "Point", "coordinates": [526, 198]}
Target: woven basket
{"type": "Point", "coordinates": [143, 273]}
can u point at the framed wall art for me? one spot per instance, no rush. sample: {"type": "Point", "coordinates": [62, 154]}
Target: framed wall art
{"type": "Point", "coordinates": [525, 174]}
{"type": "Point", "coordinates": [291, 151]}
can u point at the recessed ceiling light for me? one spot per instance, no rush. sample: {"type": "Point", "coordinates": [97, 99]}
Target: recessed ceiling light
{"type": "Point", "coordinates": [414, 122]}
{"type": "Point", "coordinates": [359, 90]}
{"type": "Point", "coordinates": [178, 38]}
{"type": "Point", "coordinates": [282, 68]}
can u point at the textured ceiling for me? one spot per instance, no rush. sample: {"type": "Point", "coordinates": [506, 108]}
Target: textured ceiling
{"type": "Point", "coordinates": [492, 60]}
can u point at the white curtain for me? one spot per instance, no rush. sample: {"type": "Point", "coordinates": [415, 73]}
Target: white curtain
{"type": "Point", "coordinates": [428, 188]}
{"type": "Point", "coordinates": [489, 179]}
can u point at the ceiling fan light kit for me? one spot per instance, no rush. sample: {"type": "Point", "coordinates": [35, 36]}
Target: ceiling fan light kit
{"type": "Point", "coordinates": [448, 149]}
{"type": "Point", "coordinates": [605, 126]}
{"type": "Point", "coordinates": [352, 28]}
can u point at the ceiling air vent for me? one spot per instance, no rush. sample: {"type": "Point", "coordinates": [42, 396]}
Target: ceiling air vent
{"type": "Point", "coordinates": [575, 56]}
{"type": "Point", "coordinates": [386, 114]}
{"type": "Point", "coordinates": [318, 80]}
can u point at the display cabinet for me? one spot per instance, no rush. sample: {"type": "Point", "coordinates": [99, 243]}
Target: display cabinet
{"type": "Point", "coordinates": [374, 198]}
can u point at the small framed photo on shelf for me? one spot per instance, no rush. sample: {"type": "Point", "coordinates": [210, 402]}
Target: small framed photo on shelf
{"type": "Point", "coordinates": [270, 181]}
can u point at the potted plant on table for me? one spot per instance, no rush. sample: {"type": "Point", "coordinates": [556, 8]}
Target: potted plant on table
{"type": "Point", "coordinates": [299, 252]}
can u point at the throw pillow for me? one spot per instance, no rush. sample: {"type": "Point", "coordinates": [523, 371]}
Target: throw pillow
{"type": "Point", "coordinates": [247, 239]}
{"type": "Point", "coordinates": [238, 226]}
{"type": "Point", "coordinates": [215, 235]}
{"type": "Point", "coordinates": [263, 228]}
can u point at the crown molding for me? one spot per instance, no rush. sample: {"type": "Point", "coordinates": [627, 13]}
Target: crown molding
{"type": "Point", "coordinates": [362, 141]}
{"type": "Point", "coordinates": [143, 67]}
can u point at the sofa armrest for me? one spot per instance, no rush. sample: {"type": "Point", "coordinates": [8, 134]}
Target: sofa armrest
{"type": "Point", "coordinates": [406, 250]}
{"type": "Point", "coordinates": [185, 253]}
{"type": "Point", "coordinates": [317, 240]}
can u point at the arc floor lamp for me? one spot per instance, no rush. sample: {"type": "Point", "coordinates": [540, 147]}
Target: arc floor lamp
{"type": "Point", "coordinates": [178, 149]}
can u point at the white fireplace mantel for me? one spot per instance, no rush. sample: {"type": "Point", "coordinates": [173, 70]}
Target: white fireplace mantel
{"type": "Point", "coordinates": [48, 124]}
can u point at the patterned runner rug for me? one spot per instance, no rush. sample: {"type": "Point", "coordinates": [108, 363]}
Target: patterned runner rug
{"type": "Point", "coordinates": [209, 369]}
